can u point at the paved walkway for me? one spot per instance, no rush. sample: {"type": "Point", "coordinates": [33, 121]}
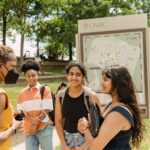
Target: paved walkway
{"type": "Point", "coordinates": [56, 142]}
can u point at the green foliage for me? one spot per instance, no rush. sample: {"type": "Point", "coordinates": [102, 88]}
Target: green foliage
{"type": "Point", "coordinates": [54, 22]}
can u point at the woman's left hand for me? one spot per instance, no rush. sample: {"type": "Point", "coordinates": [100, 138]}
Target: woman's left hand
{"type": "Point", "coordinates": [83, 124]}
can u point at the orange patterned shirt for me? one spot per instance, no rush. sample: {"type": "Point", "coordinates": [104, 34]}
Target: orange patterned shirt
{"type": "Point", "coordinates": [29, 100]}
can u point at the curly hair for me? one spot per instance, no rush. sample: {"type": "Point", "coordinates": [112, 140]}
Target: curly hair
{"type": "Point", "coordinates": [5, 52]}
{"type": "Point", "coordinates": [123, 84]}
{"type": "Point", "coordinates": [30, 64]}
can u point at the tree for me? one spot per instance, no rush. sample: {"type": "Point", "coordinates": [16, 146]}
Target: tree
{"type": "Point", "coordinates": [19, 19]}
{"type": "Point", "coordinates": [5, 12]}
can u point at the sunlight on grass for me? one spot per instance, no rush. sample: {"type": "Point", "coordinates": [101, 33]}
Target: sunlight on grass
{"type": "Point", "coordinates": [54, 71]}
{"type": "Point", "coordinates": [57, 148]}
{"type": "Point", "coordinates": [145, 145]}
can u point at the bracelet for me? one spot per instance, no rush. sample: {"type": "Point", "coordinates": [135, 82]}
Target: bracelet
{"type": "Point", "coordinates": [14, 130]}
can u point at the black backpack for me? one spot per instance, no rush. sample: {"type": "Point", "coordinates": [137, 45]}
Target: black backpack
{"type": "Point", "coordinates": [52, 113]}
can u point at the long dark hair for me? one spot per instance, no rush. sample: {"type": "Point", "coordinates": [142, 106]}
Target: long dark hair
{"type": "Point", "coordinates": [123, 84]}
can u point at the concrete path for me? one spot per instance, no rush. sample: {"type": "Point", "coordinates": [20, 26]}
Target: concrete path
{"type": "Point", "coordinates": [56, 142]}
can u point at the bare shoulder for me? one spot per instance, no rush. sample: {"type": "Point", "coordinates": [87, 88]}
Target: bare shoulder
{"type": "Point", "coordinates": [118, 118]}
{"type": "Point", "coordinates": [115, 118]}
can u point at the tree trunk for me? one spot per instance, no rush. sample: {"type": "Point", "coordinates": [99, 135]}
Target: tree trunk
{"type": "Point", "coordinates": [37, 44]}
{"type": "Point", "coordinates": [22, 42]}
{"type": "Point", "coordinates": [70, 51]}
{"type": "Point", "coordinates": [62, 56]}
{"type": "Point", "coordinates": [21, 49]}
{"type": "Point", "coordinates": [4, 27]}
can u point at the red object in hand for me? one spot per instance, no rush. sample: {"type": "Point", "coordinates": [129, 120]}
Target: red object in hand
{"type": "Point", "coordinates": [72, 148]}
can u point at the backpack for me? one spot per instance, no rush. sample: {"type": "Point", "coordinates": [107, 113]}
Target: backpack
{"type": "Point", "coordinates": [93, 111]}
{"type": "Point", "coordinates": [87, 94]}
{"type": "Point", "coordinates": [52, 113]}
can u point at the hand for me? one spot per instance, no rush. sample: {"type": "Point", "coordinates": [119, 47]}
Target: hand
{"type": "Point", "coordinates": [83, 124]}
{"type": "Point", "coordinates": [35, 120]}
{"type": "Point", "coordinates": [80, 148]}
{"type": "Point", "coordinates": [32, 129]}
{"type": "Point", "coordinates": [16, 124]}
{"type": "Point", "coordinates": [66, 147]}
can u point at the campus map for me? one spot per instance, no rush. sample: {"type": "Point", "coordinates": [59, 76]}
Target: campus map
{"type": "Point", "coordinates": [102, 51]}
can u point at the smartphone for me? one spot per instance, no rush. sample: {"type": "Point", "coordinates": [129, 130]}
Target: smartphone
{"type": "Point", "coordinates": [19, 116]}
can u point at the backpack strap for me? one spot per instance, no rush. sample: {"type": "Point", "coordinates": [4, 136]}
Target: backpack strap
{"type": "Point", "coordinates": [87, 96]}
{"type": "Point", "coordinates": [42, 89]}
{"type": "Point", "coordinates": [62, 95]}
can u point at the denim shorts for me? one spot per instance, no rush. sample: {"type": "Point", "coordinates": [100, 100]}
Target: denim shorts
{"type": "Point", "coordinates": [73, 139]}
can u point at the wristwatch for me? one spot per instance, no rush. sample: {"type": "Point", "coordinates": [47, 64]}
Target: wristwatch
{"type": "Point", "coordinates": [14, 130]}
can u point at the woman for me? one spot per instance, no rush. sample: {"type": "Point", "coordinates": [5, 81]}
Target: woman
{"type": "Point", "coordinates": [72, 108]}
{"type": "Point", "coordinates": [122, 118]}
{"type": "Point", "coordinates": [37, 124]}
{"type": "Point", "coordinates": [8, 74]}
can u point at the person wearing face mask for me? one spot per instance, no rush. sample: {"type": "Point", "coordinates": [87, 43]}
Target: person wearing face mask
{"type": "Point", "coordinates": [8, 75]}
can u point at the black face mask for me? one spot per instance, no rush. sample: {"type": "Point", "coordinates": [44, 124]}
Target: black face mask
{"type": "Point", "coordinates": [11, 77]}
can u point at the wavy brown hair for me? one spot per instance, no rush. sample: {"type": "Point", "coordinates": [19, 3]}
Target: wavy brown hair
{"type": "Point", "coordinates": [122, 82]}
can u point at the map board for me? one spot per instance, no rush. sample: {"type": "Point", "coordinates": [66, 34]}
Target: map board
{"type": "Point", "coordinates": [102, 51]}
{"type": "Point", "coordinates": [111, 41]}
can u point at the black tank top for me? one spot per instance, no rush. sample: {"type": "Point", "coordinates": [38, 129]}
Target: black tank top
{"type": "Point", "coordinates": [73, 109]}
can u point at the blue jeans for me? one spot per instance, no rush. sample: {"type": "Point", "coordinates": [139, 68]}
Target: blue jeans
{"type": "Point", "coordinates": [42, 138]}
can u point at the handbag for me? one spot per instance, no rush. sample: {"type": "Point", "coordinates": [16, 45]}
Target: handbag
{"type": "Point", "coordinates": [96, 119]}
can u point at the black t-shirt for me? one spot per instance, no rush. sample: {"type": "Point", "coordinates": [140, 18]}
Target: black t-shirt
{"type": "Point", "coordinates": [73, 109]}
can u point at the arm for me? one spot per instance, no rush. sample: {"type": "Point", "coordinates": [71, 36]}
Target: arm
{"type": "Point", "coordinates": [59, 122]}
{"type": "Point", "coordinates": [95, 98]}
{"type": "Point", "coordinates": [16, 124]}
{"type": "Point", "coordinates": [112, 125]}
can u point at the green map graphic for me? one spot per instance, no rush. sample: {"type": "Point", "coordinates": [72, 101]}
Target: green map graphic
{"type": "Point", "coordinates": [101, 51]}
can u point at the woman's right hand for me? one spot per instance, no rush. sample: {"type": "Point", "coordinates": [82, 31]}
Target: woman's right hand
{"type": "Point", "coordinates": [83, 124]}
{"type": "Point", "coordinates": [16, 124]}
{"type": "Point", "coordinates": [35, 120]}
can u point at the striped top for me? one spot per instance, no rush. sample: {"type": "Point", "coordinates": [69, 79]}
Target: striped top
{"type": "Point", "coordinates": [29, 100]}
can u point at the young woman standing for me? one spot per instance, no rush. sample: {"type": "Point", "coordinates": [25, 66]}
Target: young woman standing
{"type": "Point", "coordinates": [72, 108]}
{"type": "Point", "coordinates": [8, 75]}
{"type": "Point", "coordinates": [122, 117]}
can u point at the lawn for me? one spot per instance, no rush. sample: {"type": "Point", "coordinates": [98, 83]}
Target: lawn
{"type": "Point", "coordinates": [54, 71]}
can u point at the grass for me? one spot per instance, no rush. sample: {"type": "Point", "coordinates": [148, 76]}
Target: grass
{"type": "Point", "coordinates": [146, 142]}
{"type": "Point", "coordinates": [57, 148]}
{"type": "Point", "coordinates": [54, 71]}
